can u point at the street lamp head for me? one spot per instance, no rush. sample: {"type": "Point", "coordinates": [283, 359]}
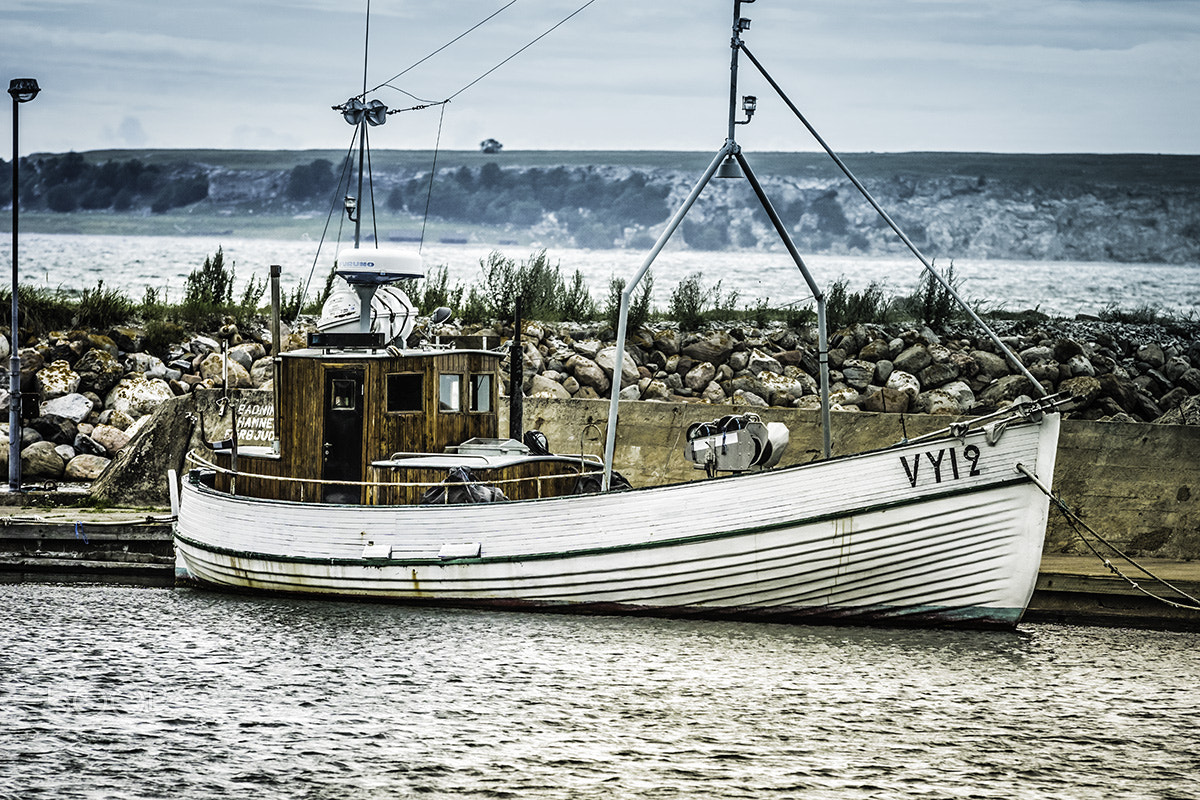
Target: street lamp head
{"type": "Point", "coordinates": [23, 89]}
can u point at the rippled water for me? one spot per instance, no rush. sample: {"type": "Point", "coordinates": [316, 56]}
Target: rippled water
{"type": "Point", "coordinates": [121, 692]}
{"type": "Point", "coordinates": [1056, 287]}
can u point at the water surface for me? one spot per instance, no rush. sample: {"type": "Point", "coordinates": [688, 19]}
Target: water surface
{"type": "Point", "coordinates": [122, 692]}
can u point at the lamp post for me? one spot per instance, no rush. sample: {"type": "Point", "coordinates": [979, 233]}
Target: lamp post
{"type": "Point", "coordinates": [22, 90]}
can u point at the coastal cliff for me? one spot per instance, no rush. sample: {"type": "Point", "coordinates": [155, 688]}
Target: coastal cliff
{"type": "Point", "coordinates": [1123, 208]}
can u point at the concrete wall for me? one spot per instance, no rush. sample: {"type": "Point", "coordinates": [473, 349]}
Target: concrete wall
{"type": "Point", "coordinates": [1137, 485]}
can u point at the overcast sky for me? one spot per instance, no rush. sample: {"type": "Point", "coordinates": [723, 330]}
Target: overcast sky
{"type": "Point", "coordinates": [872, 75]}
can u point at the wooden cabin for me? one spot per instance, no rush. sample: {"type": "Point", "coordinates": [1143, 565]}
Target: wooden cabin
{"type": "Point", "coordinates": [380, 426]}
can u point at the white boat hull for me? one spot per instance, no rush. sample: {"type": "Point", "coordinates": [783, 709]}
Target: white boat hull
{"type": "Point", "coordinates": [945, 533]}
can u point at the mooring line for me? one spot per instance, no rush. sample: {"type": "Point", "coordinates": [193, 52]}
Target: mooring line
{"type": "Point", "coordinates": [1073, 518]}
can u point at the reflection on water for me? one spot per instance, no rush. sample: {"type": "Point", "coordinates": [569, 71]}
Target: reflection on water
{"type": "Point", "coordinates": [119, 692]}
{"type": "Point", "coordinates": [1060, 288]}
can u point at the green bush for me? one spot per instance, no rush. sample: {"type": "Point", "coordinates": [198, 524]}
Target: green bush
{"type": "Point", "coordinates": [687, 303]}
{"type": "Point", "coordinates": [844, 308]}
{"type": "Point", "coordinates": [103, 308]}
{"type": "Point", "coordinates": [639, 305]}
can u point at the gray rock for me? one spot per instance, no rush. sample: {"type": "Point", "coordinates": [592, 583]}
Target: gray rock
{"type": "Point", "coordinates": [939, 401]}
{"type": "Point", "coordinates": [74, 407]}
{"type": "Point", "coordinates": [261, 371]}
{"type": "Point", "coordinates": [1190, 380]}
{"type": "Point", "coordinates": [885, 399]}
{"type": "Point", "coordinates": [137, 395]}
{"type": "Point", "coordinates": [113, 440]}
{"type": "Point", "coordinates": [990, 364]}
{"type": "Point", "coordinates": [714, 347]}
{"type": "Point", "coordinates": [937, 374]}
{"type": "Point", "coordinates": [589, 374]}
{"type": "Point", "coordinates": [40, 460]}
{"type": "Point", "coordinates": [914, 359]}
{"type": "Point", "coordinates": [657, 391]}
{"type": "Point", "coordinates": [606, 359]}
{"type": "Point", "coordinates": [98, 371]}
{"type": "Point", "coordinates": [1085, 389]}
{"type": "Point", "coordinates": [667, 342]}
{"type": "Point", "coordinates": [57, 379]}
{"type": "Point", "coordinates": [84, 444]}
{"type": "Point", "coordinates": [905, 382]}
{"type": "Point", "coordinates": [85, 467]}
{"type": "Point", "coordinates": [699, 376]}
{"type": "Point", "coordinates": [1186, 413]}
{"type": "Point", "coordinates": [1035, 355]}
{"type": "Point", "coordinates": [713, 393]}
{"type": "Point", "coordinates": [1081, 365]}
{"type": "Point", "coordinates": [858, 373]}
{"type": "Point", "coordinates": [1151, 354]}
{"type": "Point", "coordinates": [541, 386]}
{"type": "Point", "coordinates": [761, 362]}
{"type": "Point", "coordinates": [744, 398]}
{"type": "Point", "coordinates": [1005, 390]}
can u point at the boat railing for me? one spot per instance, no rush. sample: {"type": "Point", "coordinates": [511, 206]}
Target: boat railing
{"type": "Point", "coordinates": [488, 460]}
{"type": "Point", "coordinates": [197, 460]}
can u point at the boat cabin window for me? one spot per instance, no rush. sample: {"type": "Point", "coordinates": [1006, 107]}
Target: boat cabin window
{"type": "Point", "coordinates": [450, 392]}
{"type": "Point", "coordinates": [345, 395]}
{"type": "Point", "coordinates": [481, 393]}
{"type": "Point", "coordinates": [404, 391]}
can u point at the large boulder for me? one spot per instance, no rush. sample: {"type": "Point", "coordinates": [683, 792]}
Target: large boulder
{"type": "Point", "coordinates": [699, 376]}
{"type": "Point", "coordinates": [99, 371]}
{"type": "Point", "coordinates": [137, 395]}
{"type": "Point", "coordinates": [714, 347]}
{"type": "Point", "coordinates": [41, 460]}
{"type": "Point", "coordinates": [541, 386]}
{"type": "Point", "coordinates": [224, 371]}
{"type": "Point", "coordinates": [589, 374]}
{"type": "Point", "coordinates": [138, 475]}
{"type": "Point", "coordinates": [57, 379]}
{"type": "Point", "coordinates": [74, 407]}
{"type": "Point", "coordinates": [606, 359]}
{"type": "Point", "coordinates": [85, 467]}
{"type": "Point", "coordinates": [1006, 389]}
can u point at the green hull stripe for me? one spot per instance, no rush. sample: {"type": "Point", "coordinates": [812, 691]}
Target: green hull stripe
{"type": "Point", "coordinates": [682, 540]}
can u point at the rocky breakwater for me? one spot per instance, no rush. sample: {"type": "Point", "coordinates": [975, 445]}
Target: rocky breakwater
{"type": "Point", "coordinates": [86, 395]}
{"type": "Point", "coordinates": [1114, 371]}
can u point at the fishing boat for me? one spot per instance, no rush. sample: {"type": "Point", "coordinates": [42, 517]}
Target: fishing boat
{"type": "Point", "coordinates": [389, 479]}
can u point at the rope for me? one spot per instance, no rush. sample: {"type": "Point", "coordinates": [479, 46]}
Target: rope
{"type": "Point", "coordinates": [1072, 518]}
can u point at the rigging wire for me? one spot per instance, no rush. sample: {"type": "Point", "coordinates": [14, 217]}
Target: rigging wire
{"type": "Point", "coordinates": [534, 41]}
{"type": "Point", "coordinates": [432, 173]}
{"type": "Point", "coordinates": [328, 219]}
{"type": "Point", "coordinates": [522, 49]}
{"type": "Point", "coordinates": [413, 66]}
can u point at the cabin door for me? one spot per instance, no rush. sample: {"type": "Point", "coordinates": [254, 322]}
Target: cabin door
{"type": "Point", "coordinates": [343, 435]}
